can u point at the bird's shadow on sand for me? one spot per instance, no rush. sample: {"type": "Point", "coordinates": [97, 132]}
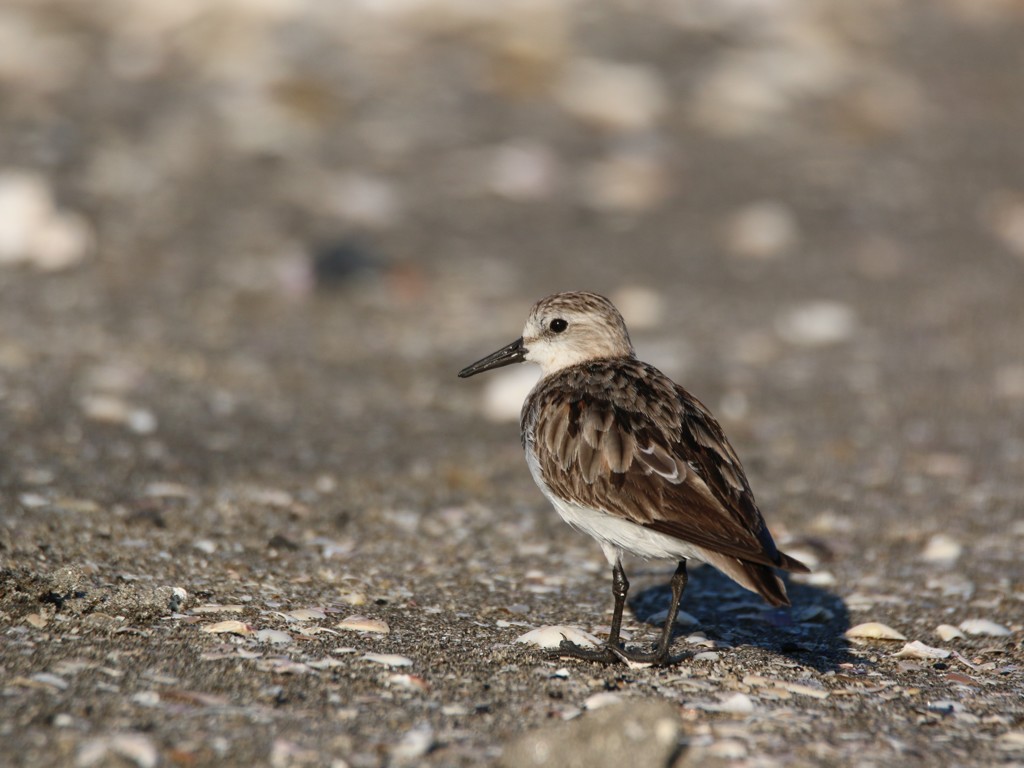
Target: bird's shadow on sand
{"type": "Point", "coordinates": [811, 632]}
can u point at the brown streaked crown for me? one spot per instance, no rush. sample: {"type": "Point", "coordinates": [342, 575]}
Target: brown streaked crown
{"type": "Point", "coordinates": [569, 328]}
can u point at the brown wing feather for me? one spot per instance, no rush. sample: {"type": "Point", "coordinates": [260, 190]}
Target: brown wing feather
{"type": "Point", "coordinates": [645, 449]}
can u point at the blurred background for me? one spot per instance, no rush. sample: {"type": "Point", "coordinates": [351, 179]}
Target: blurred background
{"type": "Point", "coordinates": [257, 238]}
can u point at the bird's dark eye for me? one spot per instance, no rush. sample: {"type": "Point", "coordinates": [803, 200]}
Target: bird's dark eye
{"type": "Point", "coordinates": [558, 325]}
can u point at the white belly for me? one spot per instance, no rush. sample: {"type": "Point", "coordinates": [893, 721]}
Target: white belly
{"type": "Point", "coordinates": [615, 534]}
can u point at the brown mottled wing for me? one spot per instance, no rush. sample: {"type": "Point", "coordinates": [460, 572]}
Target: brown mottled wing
{"type": "Point", "coordinates": [623, 438]}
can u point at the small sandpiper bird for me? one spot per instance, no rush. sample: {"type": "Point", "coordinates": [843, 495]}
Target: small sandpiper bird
{"type": "Point", "coordinates": [633, 459]}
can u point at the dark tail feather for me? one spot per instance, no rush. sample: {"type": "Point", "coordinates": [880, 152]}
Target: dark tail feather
{"type": "Point", "coordinates": [767, 583]}
{"type": "Point", "coordinates": [788, 563]}
{"type": "Point", "coordinates": [758, 578]}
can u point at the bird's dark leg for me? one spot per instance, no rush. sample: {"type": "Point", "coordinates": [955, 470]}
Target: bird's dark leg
{"type": "Point", "coordinates": [620, 588]}
{"type": "Point", "coordinates": [611, 652]}
{"type": "Point", "coordinates": [660, 655]}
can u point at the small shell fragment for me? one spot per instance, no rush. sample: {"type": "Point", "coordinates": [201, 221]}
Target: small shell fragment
{"type": "Point", "coordinates": [817, 324]}
{"type": "Point", "coordinates": [984, 627]}
{"type": "Point", "coordinates": [364, 624]}
{"type": "Point", "coordinates": [875, 631]}
{"type": "Point", "coordinates": [1012, 740]}
{"type": "Point", "coordinates": [737, 704]}
{"type": "Point", "coordinates": [602, 699]}
{"type": "Point", "coordinates": [50, 680]}
{"type": "Point", "coordinates": [814, 614]}
{"type": "Point", "coordinates": [820, 579]}
{"type": "Point", "coordinates": [230, 626]}
{"type": "Point", "coordinates": [274, 637]}
{"type": "Point", "coordinates": [305, 614]}
{"type": "Point", "coordinates": [135, 748]}
{"type": "Point", "coordinates": [948, 632]}
{"type": "Point", "coordinates": [942, 549]}
{"type": "Point", "coordinates": [37, 620]}
{"type": "Point", "coordinates": [683, 619]}
{"type": "Point", "coordinates": [802, 689]}
{"type": "Point", "coordinates": [707, 656]}
{"type": "Point", "coordinates": [409, 682]}
{"type": "Point", "coordinates": [388, 659]}
{"type": "Point", "coordinates": [413, 746]}
{"type": "Point", "coordinates": [552, 637]}
{"type": "Point", "coordinates": [918, 650]}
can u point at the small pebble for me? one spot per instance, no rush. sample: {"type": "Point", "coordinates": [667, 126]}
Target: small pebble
{"type": "Point", "coordinates": [611, 95]}
{"type": "Point", "coordinates": [875, 631]}
{"type": "Point", "coordinates": [762, 231]}
{"type": "Point", "coordinates": [707, 656]}
{"type": "Point", "coordinates": [736, 704]}
{"type": "Point", "coordinates": [820, 579]}
{"type": "Point", "coordinates": [984, 627]}
{"type": "Point", "coordinates": [53, 681]}
{"type": "Point", "coordinates": [942, 549]}
{"type": "Point", "coordinates": [133, 747]}
{"type": "Point", "coordinates": [602, 699]}
{"type": "Point", "coordinates": [33, 500]}
{"type": "Point", "coordinates": [552, 636]}
{"type": "Point", "coordinates": [26, 204]}
{"type": "Point", "coordinates": [817, 324]}
{"type": "Point", "coordinates": [108, 409]}
{"type": "Point", "coordinates": [409, 682]}
{"type": "Point", "coordinates": [205, 546]}
{"type": "Point", "coordinates": [728, 749]}
{"type": "Point", "coordinates": [146, 699]}
{"type": "Point", "coordinates": [1012, 741]}
{"type": "Point", "coordinates": [33, 230]}
{"type": "Point", "coordinates": [802, 689]}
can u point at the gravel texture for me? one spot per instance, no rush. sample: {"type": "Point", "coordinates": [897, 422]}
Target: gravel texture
{"type": "Point", "coordinates": [248, 514]}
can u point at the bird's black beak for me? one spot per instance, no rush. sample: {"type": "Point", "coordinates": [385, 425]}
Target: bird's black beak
{"type": "Point", "coordinates": [513, 353]}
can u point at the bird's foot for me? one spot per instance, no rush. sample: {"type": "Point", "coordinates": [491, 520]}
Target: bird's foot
{"type": "Point", "coordinates": [611, 654]}
{"type": "Point", "coordinates": [604, 654]}
{"type": "Point", "coordinates": [659, 657]}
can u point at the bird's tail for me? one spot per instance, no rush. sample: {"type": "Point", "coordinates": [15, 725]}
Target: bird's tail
{"type": "Point", "coordinates": [762, 579]}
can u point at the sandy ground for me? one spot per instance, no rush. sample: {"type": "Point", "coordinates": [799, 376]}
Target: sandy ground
{"type": "Point", "coordinates": [244, 248]}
